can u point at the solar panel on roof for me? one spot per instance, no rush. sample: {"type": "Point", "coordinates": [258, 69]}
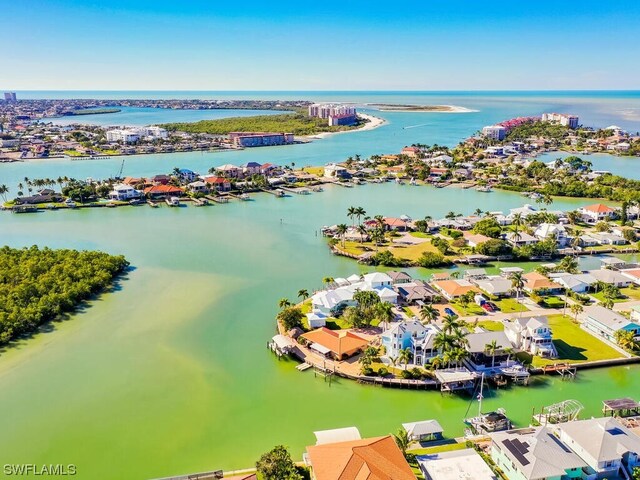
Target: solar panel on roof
{"type": "Point", "coordinates": [560, 444]}
{"type": "Point", "coordinates": [517, 450]}
{"type": "Point", "coordinates": [615, 431]}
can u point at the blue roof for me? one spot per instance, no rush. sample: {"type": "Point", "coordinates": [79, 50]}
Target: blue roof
{"type": "Point", "coordinates": [186, 170]}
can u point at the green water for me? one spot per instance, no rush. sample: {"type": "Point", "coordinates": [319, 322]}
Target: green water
{"type": "Point", "coordinates": [169, 374]}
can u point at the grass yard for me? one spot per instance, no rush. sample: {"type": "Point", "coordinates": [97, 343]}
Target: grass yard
{"type": "Point", "coordinates": [419, 235]}
{"type": "Point", "coordinates": [491, 325]}
{"type": "Point", "coordinates": [469, 310]}
{"type": "Point", "coordinates": [552, 302]}
{"type": "Point", "coordinates": [337, 324]}
{"type": "Point", "coordinates": [447, 447]}
{"type": "Point", "coordinates": [412, 252]}
{"type": "Point", "coordinates": [574, 345]}
{"type": "Point", "coordinates": [600, 296]}
{"type": "Point", "coordinates": [314, 170]}
{"type": "Point", "coordinates": [630, 292]}
{"type": "Point", "coordinates": [510, 305]}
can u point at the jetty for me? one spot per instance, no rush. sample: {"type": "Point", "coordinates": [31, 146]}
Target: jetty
{"type": "Point", "coordinates": [621, 407]}
{"type": "Point", "coordinates": [297, 191]}
{"type": "Point", "coordinates": [565, 370]}
{"type": "Point", "coordinates": [277, 192]}
{"type": "Point", "coordinates": [217, 199]}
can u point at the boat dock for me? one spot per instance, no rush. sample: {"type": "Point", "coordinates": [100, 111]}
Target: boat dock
{"type": "Point", "coordinates": [621, 407]}
{"type": "Point", "coordinates": [297, 191]}
{"type": "Point", "coordinates": [566, 370]}
{"type": "Point", "coordinates": [217, 199]}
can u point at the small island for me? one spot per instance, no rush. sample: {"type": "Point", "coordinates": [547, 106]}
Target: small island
{"type": "Point", "coordinates": [42, 285]}
{"type": "Point", "coordinates": [389, 107]}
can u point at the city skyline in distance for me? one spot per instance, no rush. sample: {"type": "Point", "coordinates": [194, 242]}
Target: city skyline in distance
{"type": "Point", "coordinates": [280, 46]}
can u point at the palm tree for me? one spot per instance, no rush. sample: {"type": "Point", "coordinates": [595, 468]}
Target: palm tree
{"type": "Point", "coordinates": [576, 309]}
{"type": "Point", "coordinates": [341, 230]}
{"type": "Point", "coordinates": [517, 283]}
{"type": "Point", "coordinates": [428, 313]}
{"type": "Point", "coordinates": [517, 223]}
{"type": "Point", "coordinates": [359, 212]}
{"type": "Point", "coordinates": [384, 312]}
{"type": "Point", "coordinates": [303, 294]}
{"type": "Point", "coordinates": [490, 348]}
{"type": "Point", "coordinates": [569, 265]}
{"type": "Point", "coordinates": [284, 303]}
{"type": "Point", "coordinates": [327, 280]}
{"type": "Point", "coordinates": [402, 440]}
{"type": "Point", "coordinates": [450, 323]}
{"type": "Point", "coordinates": [351, 213]}
{"type": "Point", "coordinates": [404, 356]}
{"type": "Point", "coordinates": [362, 230]}
{"type": "Point", "coordinates": [3, 191]}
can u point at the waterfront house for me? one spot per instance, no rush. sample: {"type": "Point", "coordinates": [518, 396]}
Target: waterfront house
{"type": "Point", "coordinates": [338, 344]}
{"type": "Point", "coordinates": [198, 187]}
{"type": "Point", "coordinates": [453, 289]}
{"type": "Point", "coordinates": [251, 168]}
{"type": "Point", "coordinates": [229, 171]}
{"type": "Point", "coordinates": [473, 240]}
{"type": "Point", "coordinates": [496, 286]}
{"type": "Point", "coordinates": [377, 458]}
{"type": "Point", "coordinates": [612, 277]}
{"type": "Point", "coordinates": [475, 274]}
{"type": "Point", "coordinates": [316, 319]}
{"type": "Point", "coordinates": [524, 211]}
{"type": "Point", "coordinates": [123, 192]}
{"type": "Point", "coordinates": [596, 213]}
{"type": "Point", "coordinates": [377, 279]}
{"type": "Point", "coordinates": [399, 277]}
{"type": "Point", "coordinates": [605, 238]}
{"type": "Point", "coordinates": [396, 224]}
{"type": "Point", "coordinates": [520, 239]}
{"type": "Point", "coordinates": [161, 179]}
{"type": "Point", "coordinates": [424, 431]}
{"type": "Point", "coordinates": [187, 175]}
{"type": "Point", "coordinates": [455, 465]}
{"type": "Point", "coordinates": [607, 446]}
{"type": "Point", "coordinates": [162, 191]}
{"type": "Point", "coordinates": [537, 283]}
{"type": "Point", "coordinates": [413, 335]}
{"type": "Point", "coordinates": [219, 184]}
{"type": "Point", "coordinates": [479, 359]}
{"type": "Point", "coordinates": [336, 435]}
{"type": "Point", "coordinates": [413, 152]}
{"type": "Point", "coordinates": [333, 170]}
{"type": "Point", "coordinates": [552, 230]}
{"type": "Point", "coordinates": [534, 454]}
{"type": "Point", "coordinates": [606, 323]}
{"type": "Point", "coordinates": [587, 241]}
{"type": "Point", "coordinates": [531, 334]}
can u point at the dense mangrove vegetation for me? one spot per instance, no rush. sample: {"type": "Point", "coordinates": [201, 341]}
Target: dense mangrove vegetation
{"type": "Point", "coordinates": [38, 285]}
{"type": "Point", "coordinates": [297, 123]}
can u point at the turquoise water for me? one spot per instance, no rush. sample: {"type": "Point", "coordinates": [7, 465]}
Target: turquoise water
{"type": "Point", "coordinates": [169, 374]}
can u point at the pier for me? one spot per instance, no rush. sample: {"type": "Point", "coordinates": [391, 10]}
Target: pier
{"type": "Point", "coordinates": [566, 370]}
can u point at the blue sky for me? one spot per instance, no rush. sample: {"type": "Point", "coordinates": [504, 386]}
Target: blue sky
{"type": "Point", "coordinates": [328, 45]}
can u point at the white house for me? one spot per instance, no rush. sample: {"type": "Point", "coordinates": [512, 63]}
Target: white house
{"type": "Point", "coordinates": [579, 283]}
{"type": "Point", "coordinates": [198, 187]}
{"type": "Point", "coordinates": [377, 279]}
{"type": "Point", "coordinates": [604, 444]}
{"type": "Point", "coordinates": [611, 277]}
{"type": "Point", "coordinates": [531, 334]}
{"type": "Point", "coordinates": [497, 286]}
{"type": "Point", "coordinates": [596, 213]}
{"type": "Point", "coordinates": [415, 336]}
{"type": "Point", "coordinates": [552, 230]}
{"type": "Point", "coordinates": [124, 192]}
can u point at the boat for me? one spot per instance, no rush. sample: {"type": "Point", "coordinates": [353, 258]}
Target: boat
{"type": "Point", "coordinates": [318, 189]}
{"type": "Point", "coordinates": [488, 422]}
{"type": "Point", "coordinates": [279, 193]}
{"type": "Point", "coordinates": [70, 204]}
{"type": "Point", "coordinates": [483, 188]}
{"type": "Point", "coordinates": [399, 182]}
{"type": "Point", "coordinates": [173, 201]}
{"type": "Point", "coordinates": [110, 205]}
{"type": "Point", "coordinates": [412, 181]}
{"type": "Point", "coordinates": [244, 196]}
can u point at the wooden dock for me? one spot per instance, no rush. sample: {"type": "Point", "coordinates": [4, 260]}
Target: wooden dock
{"type": "Point", "coordinates": [217, 199]}
{"type": "Point", "coordinates": [565, 370]}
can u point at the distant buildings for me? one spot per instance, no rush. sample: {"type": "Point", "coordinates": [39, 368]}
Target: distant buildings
{"type": "Point", "coordinates": [335, 114]}
{"type": "Point", "coordinates": [570, 121]}
{"type": "Point", "coordinates": [132, 135]}
{"type": "Point", "coordinates": [260, 139]}
{"type": "Point", "coordinates": [10, 97]}
{"type": "Point", "coordinates": [495, 132]}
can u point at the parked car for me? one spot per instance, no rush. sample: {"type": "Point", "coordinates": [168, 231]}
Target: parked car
{"type": "Point", "coordinates": [448, 311]}
{"type": "Point", "coordinates": [494, 306]}
{"type": "Point", "coordinates": [486, 307]}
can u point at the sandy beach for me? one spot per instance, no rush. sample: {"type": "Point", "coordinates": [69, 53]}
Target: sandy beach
{"type": "Point", "coordinates": [374, 122]}
{"type": "Point", "coordinates": [423, 108]}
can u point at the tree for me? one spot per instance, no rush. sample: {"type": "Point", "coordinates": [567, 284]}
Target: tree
{"type": "Point", "coordinates": [303, 294]}
{"type": "Point", "coordinates": [517, 283]}
{"type": "Point", "coordinates": [367, 357]}
{"type": "Point", "coordinates": [384, 313]}
{"type": "Point", "coordinates": [366, 298]}
{"type": "Point", "coordinates": [602, 227]}
{"type": "Point", "coordinates": [576, 309]}
{"type": "Point", "coordinates": [494, 248]}
{"type": "Point", "coordinates": [488, 227]}
{"type": "Point", "coordinates": [327, 280]}
{"type": "Point", "coordinates": [626, 340]}
{"type": "Point", "coordinates": [491, 348]}
{"type": "Point", "coordinates": [569, 265]}
{"type": "Point", "coordinates": [284, 303]}
{"type": "Point", "coordinates": [351, 213]}
{"type": "Point", "coordinates": [3, 191]}
{"type": "Point", "coordinates": [277, 465]}
{"type": "Point", "coordinates": [359, 213]}
{"type": "Point", "coordinates": [402, 440]}
{"type": "Point", "coordinates": [428, 313]}
{"type": "Point", "coordinates": [404, 356]}
{"type": "Point", "coordinates": [432, 260]}
{"type": "Point", "coordinates": [290, 317]}
{"type": "Point", "coordinates": [341, 231]}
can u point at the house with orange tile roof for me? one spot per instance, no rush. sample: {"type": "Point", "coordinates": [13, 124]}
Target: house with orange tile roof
{"type": "Point", "coordinates": [596, 213]}
{"type": "Point", "coordinates": [160, 191]}
{"type": "Point", "coordinates": [219, 184]}
{"type": "Point", "coordinates": [398, 224]}
{"type": "Point", "coordinates": [536, 282]}
{"type": "Point", "coordinates": [453, 289]}
{"type": "Point", "coordinates": [377, 458]}
{"type": "Point", "coordinates": [339, 344]}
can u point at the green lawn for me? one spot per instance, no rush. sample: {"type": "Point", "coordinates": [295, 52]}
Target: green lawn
{"type": "Point", "coordinates": [573, 344]}
{"type": "Point", "coordinates": [447, 447]}
{"type": "Point", "coordinates": [337, 324]}
{"type": "Point", "coordinates": [552, 302]}
{"type": "Point", "coordinates": [600, 296]}
{"type": "Point", "coordinates": [419, 235]}
{"type": "Point", "coordinates": [631, 292]}
{"type": "Point", "coordinates": [510, 305]}
{"type": "Point", "coordinates": [469, 310]}
{"type": "Point", "coordinates": [492, 325]}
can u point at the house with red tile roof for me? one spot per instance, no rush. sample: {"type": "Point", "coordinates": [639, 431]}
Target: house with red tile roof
{"type": "Point", "coordinates": [596, 213]}
{"type": "Point", "coordinates": [377, 458]}
{"type": "Point", "coordinates": [161, 191]}
{"type": "Point", "coordinates": [219, 184]}
{"type": "Point", "coordinates": [339, 344]}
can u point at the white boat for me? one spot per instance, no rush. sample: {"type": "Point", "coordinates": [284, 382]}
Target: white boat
{"type": "Point", "coordinates": [279, 193]}
{"type": "Point", "coordinates": [484, 189]}
{"type": "Point", "coordinates": [489, 422]}
{"type": "Point", "coordinates": [413, 181]}
{"type": "Point", "coordinates": [399, 182]}
{"type": "Point", "coordinates": [70, 204]}
{"type": "Point", "coordinates": [244, 197]}
{"type": "Point", "coordinates": [173, 201]}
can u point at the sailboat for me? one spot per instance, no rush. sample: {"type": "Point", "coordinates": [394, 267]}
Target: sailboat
{"type": "Point", "coordinates": [485, 423]}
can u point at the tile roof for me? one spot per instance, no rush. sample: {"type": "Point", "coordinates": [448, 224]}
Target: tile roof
{"type": "Point", "coordinates": [598, 208]}
{"type": "Point", "coordinates": [376, 458]}
{"type": "Point", "coordinates": [339, 342]}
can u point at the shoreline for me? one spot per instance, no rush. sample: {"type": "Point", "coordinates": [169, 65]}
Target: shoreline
{"type": "Point", "coordinates": [373, 123]}
{"type": "Point", "coordinates": [423, 108]}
